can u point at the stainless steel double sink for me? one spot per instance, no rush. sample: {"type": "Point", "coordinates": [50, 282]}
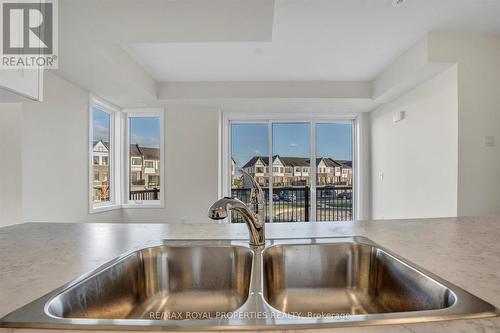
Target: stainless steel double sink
{"type": "Point", "coordinates": [219, 285]}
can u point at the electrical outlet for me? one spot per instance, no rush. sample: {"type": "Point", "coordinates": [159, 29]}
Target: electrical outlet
{"type": "Point", "coordinates": [398, 116]}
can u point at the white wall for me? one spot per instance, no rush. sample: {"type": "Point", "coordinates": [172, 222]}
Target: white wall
{"type": "Point", "coordinates": [54, 156]}
{"type": "Point", "coordinates": [478, 58]}
{"type": "Point", "coordinates": [10, 164]}
{"type": "Point", "coordinates": [418, 155]}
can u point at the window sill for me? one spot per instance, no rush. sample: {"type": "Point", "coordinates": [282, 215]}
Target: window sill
{"type": "Point", "coordinates": [103, 208]}
{"type": "Point", "coordinates": [153, 204]}
{"type": "Point", "coordinates": [107, 208]}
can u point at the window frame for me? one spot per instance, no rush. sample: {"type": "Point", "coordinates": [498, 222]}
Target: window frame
{"type": "Point", "coordinates": [355, 118]}
{"type": "Point", "coordinates": [114, 155]}
{"type": "Point", "coordinates": [127, 161]}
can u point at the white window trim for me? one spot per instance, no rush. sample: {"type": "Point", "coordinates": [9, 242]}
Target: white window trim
{"type": "Point", "coordinates": [227, 118]}
{"type": "Point", "coordinates": [119, 158]}
{"type": "Point", "coordinates": [143, 112]}
{"type": "Point", "coordinates": [114, 156]}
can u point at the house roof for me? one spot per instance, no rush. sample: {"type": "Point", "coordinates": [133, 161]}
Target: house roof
{"type": "Point", "coordinates": [330, 162]}
{"type": "Point", "coordinates": [295, 161]}
{"type": "Point", "coordinates": [298, 161]}
{"type": "Point", "coordinates": [146, 152]}
{"type": "Point", "coordinates": [346, 164]}
{"type": "Point", "coordinates": [254, 159]}
{"type": "Point", "coordinates": [134, 150]}
{"type": "Point", "coordinates": [150, 153]}
{"type": "Point", "coordinates": [106, 144]}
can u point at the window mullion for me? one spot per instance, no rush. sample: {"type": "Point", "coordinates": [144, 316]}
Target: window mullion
{"type": "Point", "coordinates": [117, 157]}
{"type": "Point", "coordinates": [270, 165]}
{"type": "Point", "coordinates": [312, 197]}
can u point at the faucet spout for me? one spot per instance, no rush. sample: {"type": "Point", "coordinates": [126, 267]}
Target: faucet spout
{"type": "Point", "coordinates": [253, 216]}
{"type": "Point", "coordinates": [220, 210]}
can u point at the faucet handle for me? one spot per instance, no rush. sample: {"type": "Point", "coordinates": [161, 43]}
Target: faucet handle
{"type": "Point", "coordinates": [256, 197]}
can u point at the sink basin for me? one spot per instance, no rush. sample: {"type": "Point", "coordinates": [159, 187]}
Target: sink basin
{"type": "Point", "coordinates": [346, 278]}
{"type": "Point", "coordinates": [226, 285]}
{"type": "Point", "coordinates": [173, 282]}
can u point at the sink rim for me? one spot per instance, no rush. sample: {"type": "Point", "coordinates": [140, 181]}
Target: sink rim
{"type": "Point", "coordinates": [34, 314]}
{"type": "Point", "coordinates": [149, 245]}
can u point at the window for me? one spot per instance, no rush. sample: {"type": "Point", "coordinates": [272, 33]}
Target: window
{"type": "Point", "coordinates": [334, 195]}
{"type": "Point", "coordinates": [101, 146]}
{"type": "Point", "coordinates": [145, 143]}
{"type": "Point", "coordinates": [136, 161]}
{"type": "Point", "coordinates": [298, 190]}
{"type": "Point", "coordinates": [291, 141]}
{"type": "Point", "coordinates": [154, 180]}
{"type": "Point", "coordinates": [249, 147]}
{"type": "Point", "coordinates": [117, 177]}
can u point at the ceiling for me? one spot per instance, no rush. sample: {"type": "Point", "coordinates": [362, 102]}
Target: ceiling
{"type": "Point", "coordinates": [348, 40]}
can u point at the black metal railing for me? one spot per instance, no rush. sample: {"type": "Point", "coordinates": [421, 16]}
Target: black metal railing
{"type": "Point", "coordinates": [244, 195]}
{"type": "Point", "coordinates": [334, 203]}
{"type": "Point", "coordinates": [292, 204]}
{"type": "Point", "coordinates": [153, 194]}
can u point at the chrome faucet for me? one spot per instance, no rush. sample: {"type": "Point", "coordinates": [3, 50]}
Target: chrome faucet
{"type": "Point", "coordinates": [253, 216]}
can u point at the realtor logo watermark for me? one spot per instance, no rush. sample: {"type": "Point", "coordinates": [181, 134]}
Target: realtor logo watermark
{"type": "Point", "coordinates": [28, 35]}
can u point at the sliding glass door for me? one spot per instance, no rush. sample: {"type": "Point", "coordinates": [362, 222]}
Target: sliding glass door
{"type": "Point", "coordinates": [291, 180]}
{"type": "Point", "coordinates": [305, 167]}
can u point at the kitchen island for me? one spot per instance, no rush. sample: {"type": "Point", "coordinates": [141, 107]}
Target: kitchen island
{"type": "Point", "coordinates": [36, 258]}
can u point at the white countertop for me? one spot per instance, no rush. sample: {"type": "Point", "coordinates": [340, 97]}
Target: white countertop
{"type": "Point", "coordinates": [36, 258]}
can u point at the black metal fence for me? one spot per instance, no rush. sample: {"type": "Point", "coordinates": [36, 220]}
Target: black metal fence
{"type": "Point", "coordinates": [334, 203]}
{"type": "Point", "coordinates": [292, 204]}
{"type": "Point", "coordinates": [244, 195]}
{"type": "Point", "coordinates": [153, 194]}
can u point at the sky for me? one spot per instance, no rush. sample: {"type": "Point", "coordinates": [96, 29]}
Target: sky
{"type": "Point", "coordinates": [291, 139]}
{"type": "Point", "coordinates": [143, 130]}
{"type": "Point", "coordinates": [100, 125]}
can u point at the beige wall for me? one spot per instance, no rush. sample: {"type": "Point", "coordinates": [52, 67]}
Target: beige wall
{"type": "Point", "coordinates": [10, 164]}
{"type": "Point", "coordinates": [51, 148]}
{"type": "Point", "coordinates": [478, 58]}
{"type": "Point", "coordinates": [191, 167]}
{"type": "Point", "coordinates": [414, 161]}
{"type": "Point", "coordinates": [55, 161]}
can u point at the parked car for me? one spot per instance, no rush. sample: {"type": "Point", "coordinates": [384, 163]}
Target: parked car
{"type": "Point", "coordinates": [285, 197]}
{"type": "Point", "coordinates": [327, 193]}
{"type": "Point", "coordinates": [345, 195]}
